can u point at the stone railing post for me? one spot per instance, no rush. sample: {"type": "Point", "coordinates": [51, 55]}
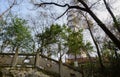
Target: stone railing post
{"type": "Point", "coordinates": [37, 59]}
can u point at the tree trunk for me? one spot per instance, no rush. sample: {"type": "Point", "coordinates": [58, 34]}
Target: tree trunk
{"type": "Point", "coordinates": [60, 67]}
{"type": "Point", "coordinates": [75, 62]}
{"type": "Point", "coordinates": [105, 29]}
{"type": "Point", "coordinates": [60, 61]}
{"type": "Point", "coordinates": [98, 51]}
{"type": "Point", "coordinates": [15, 58]}
{"type": "Point", "coordinates": [114, 19]}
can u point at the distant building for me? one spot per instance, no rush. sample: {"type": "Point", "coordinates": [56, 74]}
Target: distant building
{"type": "Point", "coordinates": [74, 17]}
{"type": "Point", "coordinates": [71, 58]}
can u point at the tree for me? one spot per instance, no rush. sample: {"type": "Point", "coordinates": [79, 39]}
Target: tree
{"type": "Point", "coordinates": [94, 40]}
{"type": "Point", "coordinates": [17, 36]}
{"type": "Point", "coordinates": [46, 38]}
{"type": "Point", "coordinates": [60, 42]}
{"type": "Point", "coordinates": [87, 9]}
{"type": "Point", "coordinates": [53, 37]}
{"type": "Point", "coordinates": [75, 43]}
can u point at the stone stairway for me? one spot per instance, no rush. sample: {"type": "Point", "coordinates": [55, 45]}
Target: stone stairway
{"type": "Point", "coordinates": [38, 62]}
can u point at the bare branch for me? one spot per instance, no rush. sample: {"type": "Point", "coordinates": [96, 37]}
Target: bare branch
{"type": "Point", "coordinates": [101, 24]}
{"type": "Point", "coordinates": [69, 7]}
{"type": "Point", "coordinates": [88, 10]}
{"type": "Point", "coordinates": [65, 5]}
{"type": "Point", "coordinates": [7, 9]}
{"type": "Point", "coordinates": [112, 15]}
{"type": "Point", "coordinates": [62, 14]}
{"type": "Point", "coordinates": [94, 3]}
{"type": "Point", "coordinates": [51, 3]}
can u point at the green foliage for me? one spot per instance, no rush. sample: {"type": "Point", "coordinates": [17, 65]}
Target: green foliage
{"type": "Point", "coordinates": [109, 45]}
{"type": "Point", "coordinates": [48, 36]}
{"type": "Point", "coordinates": [88, 46]}
{"type": "Point", "coordinates": [51, 36]}
{"type": "Point", "coordinates": [111, 69]}
{"type": "Point", "coordinates": [60, 40]}
{"type": "Point", "coordinates": [117, 23]}
{"type": "Point", "coordinates": [75, 41]}
{"type": "Point", "coordinates": [17, 34]}
{"type": "Point", "coordinates": [109, 49]}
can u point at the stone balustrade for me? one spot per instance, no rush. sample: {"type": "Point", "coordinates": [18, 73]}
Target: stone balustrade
{"type": "Point", "coordinates": [35, 62]}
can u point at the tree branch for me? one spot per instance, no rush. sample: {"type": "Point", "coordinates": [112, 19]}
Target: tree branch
{"type": "Point", "coordinates": [112, 15]}
{"type": "Point", "coordinates": [62, 14]}
{"type": "Point", "coordinates": [7, 9]}
{"type": "Point", "coordinates": [97, 47]}
{"type": "Point", "coordinates": [94, 3]}
{"type": "Point", "coordinates": [72, 7]}
{"type": "Point", "coordinates": [51, 3]}
{"type": "Point", "coordinates": [87, 9]}
{"type": "Point", "coordinates": [101, 24]}
{"type": "Point", "coordinates": [65, 5]}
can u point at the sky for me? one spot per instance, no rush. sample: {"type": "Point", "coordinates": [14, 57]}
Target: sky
{"type": "Point", "coordinates": [27, 11]}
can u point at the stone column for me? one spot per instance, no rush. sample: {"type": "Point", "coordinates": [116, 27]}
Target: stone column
{"type": "Point", "coordinates": [37, 59]}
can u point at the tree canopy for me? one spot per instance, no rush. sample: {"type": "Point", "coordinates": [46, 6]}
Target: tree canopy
{"type": "Point", "coordinates": [16, 34]}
